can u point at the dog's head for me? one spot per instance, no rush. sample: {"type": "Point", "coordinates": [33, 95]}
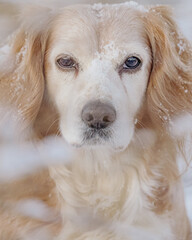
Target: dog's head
{"type": "Point", "coordinates": [97, 68]}
{"type": "Point", "coordinates": [107, 69]}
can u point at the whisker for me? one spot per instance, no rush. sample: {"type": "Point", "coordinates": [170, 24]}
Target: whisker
{"type": "Point", "coordinates": [140, 140]}
{"type": "Point", "coordinates": [58, 133]}
{"type": "Point", "coordinates": [57, 119]}
{"type": "Point", "coordinates": [141, 124]}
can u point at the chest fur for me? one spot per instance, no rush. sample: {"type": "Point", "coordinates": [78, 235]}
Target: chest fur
{"type": "Point", "coordinates": [118, 186]}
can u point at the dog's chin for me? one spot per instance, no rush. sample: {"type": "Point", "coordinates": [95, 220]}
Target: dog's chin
{"type": "Point", "coordinates": [99, 140]}
{"type": "Point", "coordinates": [99, 143]}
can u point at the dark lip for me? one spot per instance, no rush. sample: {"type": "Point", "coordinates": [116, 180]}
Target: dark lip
{"type": "Point", "coordinates": [96, 135]}
{"type": "Point", "coordinates": [93, 137]}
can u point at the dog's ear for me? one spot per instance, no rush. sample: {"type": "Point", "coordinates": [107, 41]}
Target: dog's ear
{"type": "Point", "coordinates": [21, 65]}
{"type": "Point", "coordinates": [170, 84]}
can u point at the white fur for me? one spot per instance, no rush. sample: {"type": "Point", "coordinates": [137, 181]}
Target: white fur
{"type": "Point", "coordinates": [106, 188]}
{"type": "Point", "coordinates": [98, 79]}
{"type": "Point", "coordinates": [120, 187]}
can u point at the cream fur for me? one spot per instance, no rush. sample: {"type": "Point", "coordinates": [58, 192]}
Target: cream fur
{"type": "Point", "coordinates": [127, 187]}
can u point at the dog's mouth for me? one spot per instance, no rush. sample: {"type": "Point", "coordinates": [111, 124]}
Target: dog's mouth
{"type": "Point", "coordinates": [96, 136]}
{"type": "Point", "coordinates": [99, 138]}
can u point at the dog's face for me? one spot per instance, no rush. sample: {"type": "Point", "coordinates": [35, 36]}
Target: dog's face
{"type": "Point", "coordinates": [97, 70]}
{"type": "Point", "coordinates": [104, 67]}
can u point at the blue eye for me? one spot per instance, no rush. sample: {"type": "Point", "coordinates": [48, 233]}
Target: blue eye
{"type": "Point", "coordinates": [131, 63]}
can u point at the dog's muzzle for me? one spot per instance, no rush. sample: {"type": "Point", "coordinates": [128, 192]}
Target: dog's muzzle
{"type": "Point", "coordinates": [97, 117]}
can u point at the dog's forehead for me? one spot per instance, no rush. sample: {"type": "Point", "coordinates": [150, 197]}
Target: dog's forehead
{"type": "Point", "coordinates": [94, 27]}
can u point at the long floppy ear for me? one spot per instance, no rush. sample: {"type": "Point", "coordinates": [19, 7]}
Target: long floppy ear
{"type": "Point", "coordinates": [21, 65]}
{"type": "Point", "coordinates": [170, 84]}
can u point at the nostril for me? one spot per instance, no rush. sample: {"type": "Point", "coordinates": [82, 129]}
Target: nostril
{"type": "Point", "coordinates": [106, 119]}
{"type": "Point", "coordinates": [89, 117]}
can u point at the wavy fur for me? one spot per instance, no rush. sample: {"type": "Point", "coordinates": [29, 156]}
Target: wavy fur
{"type": "Point", "coordinates": [131, 194]}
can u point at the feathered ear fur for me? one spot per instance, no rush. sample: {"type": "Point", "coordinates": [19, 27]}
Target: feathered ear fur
{"type": "Point", "coordinates": [21, 67]}
{"type": "Point", "coordinates": [170, 84]}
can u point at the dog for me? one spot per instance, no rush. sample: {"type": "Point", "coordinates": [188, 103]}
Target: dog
{"type": "Point", "coordinates": [110, 79]}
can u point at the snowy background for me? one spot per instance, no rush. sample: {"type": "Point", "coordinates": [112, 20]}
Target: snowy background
{"type": "Point", "coordinates": [8, 10]}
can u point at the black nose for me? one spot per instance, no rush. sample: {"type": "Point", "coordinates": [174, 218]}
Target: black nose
{"type": "Point", "coordinates": [98, 115]}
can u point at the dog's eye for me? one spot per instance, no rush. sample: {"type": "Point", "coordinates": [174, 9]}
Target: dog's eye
{"type": "Point", "coordinates": [131, 63]}
{"type": "Point", "coordinates": [66, 62]}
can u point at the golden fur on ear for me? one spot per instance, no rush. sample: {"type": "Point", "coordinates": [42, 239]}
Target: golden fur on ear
{"type": "Point", "coordinates": [170, 84]}
{"type": "Point", "coordinates": [22, 77]}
